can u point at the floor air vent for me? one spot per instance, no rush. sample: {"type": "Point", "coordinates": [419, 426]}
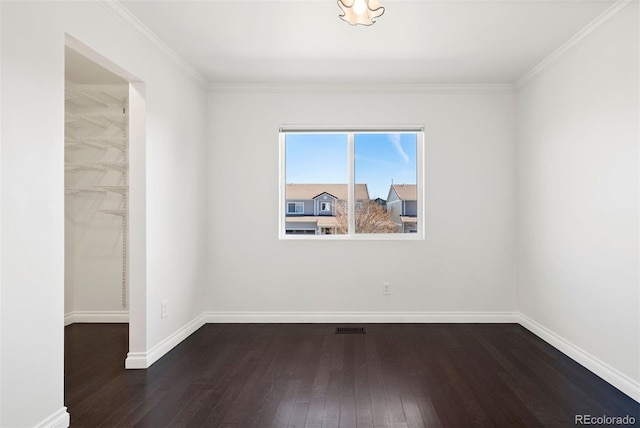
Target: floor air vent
{"type": "Point", "coordinates": [350, 330]}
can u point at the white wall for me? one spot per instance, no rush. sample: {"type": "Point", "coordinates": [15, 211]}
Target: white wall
{"type": "Point", "coordinates": [32, 197]}
{"type": "Point", "coordinates": [466, 262]}
{"type": "Point", "coordinates": [578, 217]}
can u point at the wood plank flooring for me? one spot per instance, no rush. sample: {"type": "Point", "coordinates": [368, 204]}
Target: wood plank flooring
{"type": "Point", "coordinates": [304, 375]}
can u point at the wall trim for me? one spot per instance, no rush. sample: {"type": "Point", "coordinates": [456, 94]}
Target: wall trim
{"type": "Point", "coordinates": [361, 317]}
{"type": "Point", "coordinates": [341, 88]}
{"type": "Point", "coordinates": [144, 360]}
{"type": "Point", "coordinates": [96, 317]}
{"type": "Point", "coordinates": [617, 9]}
{"type": "Point", "coordinates": [133, 23]}
{"type": "Point", "coordinates": [619, 380]}
{"type": "Point", "coordinates": [59, 419]}
{"type": "Point", "coordinates": [136, 360]}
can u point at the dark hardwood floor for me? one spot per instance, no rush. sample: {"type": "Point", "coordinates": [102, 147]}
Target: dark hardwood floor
{"type": "Point", "coordinates": [304, 375]}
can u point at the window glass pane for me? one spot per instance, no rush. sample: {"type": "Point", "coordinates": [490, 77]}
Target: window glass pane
{"type": "Point", "coordinates": [385, 166]}
{"type": "Point", "coordinates": [316, 175]}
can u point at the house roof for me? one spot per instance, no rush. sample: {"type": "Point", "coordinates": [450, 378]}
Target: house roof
{"type": "Point", "coordinates": [406, 192]}
{"type": "Point", "coordinates": [310, 191]}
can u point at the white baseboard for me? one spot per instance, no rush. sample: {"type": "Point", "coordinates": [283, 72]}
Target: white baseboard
{"type": "Point", "coordinates": [96, 317]}
{"type": "Point", "coordinates": [136, 360]}
{"type": "Point", "coordinates": [59, 419]}
{"type": "Point", "coordinates": [593, 364]}
{"type": "Point", "coordinates": [143, 360]}
{"type": "Point", "coordinates": [361, 317]}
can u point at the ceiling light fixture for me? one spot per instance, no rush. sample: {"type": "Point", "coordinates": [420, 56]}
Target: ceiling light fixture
{"type": "Point", "coordinates": [360, 12]}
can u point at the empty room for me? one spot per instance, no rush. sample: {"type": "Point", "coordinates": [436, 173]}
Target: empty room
{"type": "Point", "coordinates": [319, 213]}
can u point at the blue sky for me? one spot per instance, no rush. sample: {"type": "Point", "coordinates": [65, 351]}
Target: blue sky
{"type": "Point", "coordinates": [379, 160]}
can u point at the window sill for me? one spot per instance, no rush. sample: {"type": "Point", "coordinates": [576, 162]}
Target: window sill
{"type": "Point", "coordinates": [356, 237]}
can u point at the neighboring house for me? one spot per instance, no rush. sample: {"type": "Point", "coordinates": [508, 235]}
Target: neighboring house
{"type": "Point", "coordinates": [311, 208]}
{"type": "Point", "coordinates": [402, 203]}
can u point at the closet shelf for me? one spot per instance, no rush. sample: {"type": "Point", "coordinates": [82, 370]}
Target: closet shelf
{"type": "Point", "coordinates": [99, 114]}
{"type": "Point", "coordinates": [91, 212]}
{"type": "Point", "coordinates": [99, 189]}
{"type": "Point", "coordinates": [101, 120]}
{"type": "Point", "coordinates": [95, 165]}
{"type": "Point", "coordinates": [85, 96]}
{"type": "Point", "coordinates": [95, 142]}
{"type": "Point", "coordinates": [102, 89]}
{"type": "Point", "coordinates": [121, 213]}
{"type": "Point", "coordinates": [105, 139]}
{"type": "Point", "coordinates": [101, 95]}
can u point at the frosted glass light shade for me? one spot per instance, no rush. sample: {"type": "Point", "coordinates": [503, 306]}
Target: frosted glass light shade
{"type": "Point", "coordinates": [360, 12]}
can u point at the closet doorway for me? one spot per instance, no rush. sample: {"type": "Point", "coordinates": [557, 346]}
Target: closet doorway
{"type": "Point", "coordinates": [96, 167]}
{"type": "Point", "coordinates": [105, 196]}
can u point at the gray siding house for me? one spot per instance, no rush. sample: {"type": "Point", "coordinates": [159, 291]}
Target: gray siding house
{"type": "Point", "coordinates": [311, 209]}
{"type": "Point", "coordinates": [402, 203]}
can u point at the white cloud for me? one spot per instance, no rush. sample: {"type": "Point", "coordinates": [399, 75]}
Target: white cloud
{"type": "Point", "coordinates": [395, 141]}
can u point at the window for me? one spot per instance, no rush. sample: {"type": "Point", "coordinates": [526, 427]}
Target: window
{"type": "Point", "coordinates": [295, 207]}
{"type": "Point", "coordinates": [365, 184]}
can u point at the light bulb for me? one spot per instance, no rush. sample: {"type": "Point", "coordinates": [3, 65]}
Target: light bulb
{"type": "Point", "coordinates": [359, 6]}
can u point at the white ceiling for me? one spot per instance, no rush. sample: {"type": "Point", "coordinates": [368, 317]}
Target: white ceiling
{"type": "Point", "coordinates": [304, 41]}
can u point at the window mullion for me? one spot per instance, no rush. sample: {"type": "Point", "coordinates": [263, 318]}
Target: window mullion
{"type": "Point", "coordinates": [351, 202]}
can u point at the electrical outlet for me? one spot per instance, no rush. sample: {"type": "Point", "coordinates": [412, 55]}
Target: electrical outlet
{"type": "Point", "coordinates": [164, 308]}
{"type": "Point", "coordinates": [386, 288]}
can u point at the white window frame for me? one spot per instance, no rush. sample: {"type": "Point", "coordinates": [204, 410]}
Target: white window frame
{"type": "Point", "coordinates": [297, 204]}
{"type": "Point", "coordinates": [418, 130]}
{"type": "Point", "coordinates": [328, 204]}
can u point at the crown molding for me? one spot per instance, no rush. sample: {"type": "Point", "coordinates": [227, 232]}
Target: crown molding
{"type": "Point", "coordinates": [617, 9]}
{"type": "Point", "coordinates": [344, 88]}
{"type": "Point", "coordinates": [133, 23]}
